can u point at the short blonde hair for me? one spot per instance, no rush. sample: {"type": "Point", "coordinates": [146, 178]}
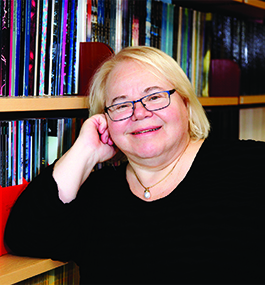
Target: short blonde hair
{"type": "Point", "coordinates": [161, 63]}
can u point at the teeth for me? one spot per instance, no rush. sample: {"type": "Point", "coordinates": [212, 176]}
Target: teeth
{"type": "Point", "coordinates": [146, 131]}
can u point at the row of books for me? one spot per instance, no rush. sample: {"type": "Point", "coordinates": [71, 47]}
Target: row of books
{"type": "Point", "coordinates": [27, 146]}
{"type": "Point", "coordinates": [243, 41]}
{"type": "Point", "coordinates": [180, 32]}
{"type": "Point", "coordinates": [39, 40]}
{"type": "Point", "coordinates": [38, 44]}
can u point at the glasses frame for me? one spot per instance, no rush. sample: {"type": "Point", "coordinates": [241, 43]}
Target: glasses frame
{"type": "Point", "coordinates": [169, 93]}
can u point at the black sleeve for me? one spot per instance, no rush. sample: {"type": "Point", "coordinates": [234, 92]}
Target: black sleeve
{"type": "Point", "coordinates": [40, 224]}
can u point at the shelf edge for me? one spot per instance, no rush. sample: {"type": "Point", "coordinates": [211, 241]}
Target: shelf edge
{"type": "Point", "coordinates": [45, 103]}
{"type": "Point", "coordinates": [255, 3]}
{"type": "Point", "coordinates": [218, 101]}
{"type": "Point", "coordinates": [25, 267]}
{"type": "Point", "coordinates": [251, 99]}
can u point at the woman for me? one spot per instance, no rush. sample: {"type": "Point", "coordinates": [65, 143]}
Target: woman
{"type": "Point", "coordinates": [180, 210]}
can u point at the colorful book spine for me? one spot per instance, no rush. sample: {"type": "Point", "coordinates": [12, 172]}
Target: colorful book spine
{"type": "Point", "coordinates": [135, 25]}
{"type": "Point", "coordinates": [88, 19]}
{"type": "Point", "coordinates": [148, 23]}
{"type": "Point", "coordinates": [14, 153]}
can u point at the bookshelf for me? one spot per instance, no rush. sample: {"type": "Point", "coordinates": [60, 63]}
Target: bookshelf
{"type": "Point", "coordinates": [251, 100]}
{"type": "Point", "coordinates": [42, 103]}
{"type": "Point", "coordinates": [13, 268]}
{"type": "Point", "coordinates": [49, 103]}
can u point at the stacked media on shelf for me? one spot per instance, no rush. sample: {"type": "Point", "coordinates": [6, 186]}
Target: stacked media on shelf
{"type": "Point", "coordinates": [39, 44]}
{"type": "Point", "coordinates": [29, 145]}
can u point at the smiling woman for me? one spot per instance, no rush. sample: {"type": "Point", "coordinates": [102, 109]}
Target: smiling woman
{"type": "Point", "coordinates": [181, 209]}
{"type": "Point", "coordinates": [160, 64]}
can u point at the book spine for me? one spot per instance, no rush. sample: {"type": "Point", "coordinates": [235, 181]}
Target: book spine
{"type": "Point", "coordinates": [148, 23]}
{"type": "Point", "coordinates": [88, 19]}
{"type": "Point", "coordinates": [164, 41]}
{"type": "Point", "coordinates": [94, 21]}
{"type": "Point", "coordinates": [14, 152]}
{"type": "Point", "coordinates": [37, 47]}
{"type": "Point", "coordinates": [142, 22]}
{"type": "Point", "coordinates": [207, 54]}
{"type": "Point", "coordinates": [43, 46]}
{"type": "Point", "coordinates": [135, 25]}
{"type": "Point", "coordinates": [4, 49]}
{"type": "Point", "coordinates": [75, 65]}
{"type": "Point", "coordinates": [20, 158]}
{"type": "Point", "coordinates": [112, 23]}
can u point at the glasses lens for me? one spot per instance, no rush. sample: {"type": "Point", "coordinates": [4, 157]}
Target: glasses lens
{"type": "Point", "coordinates": [156, 101]}
{"type": "Point", "coordinates": [121, 111]}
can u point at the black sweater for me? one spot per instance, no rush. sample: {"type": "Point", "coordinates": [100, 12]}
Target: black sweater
{"type": "Point", "coordinates": [210, 229]}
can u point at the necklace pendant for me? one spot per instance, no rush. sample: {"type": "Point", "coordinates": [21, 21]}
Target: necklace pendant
{"type": "Point", "coordinates": [147, 193]}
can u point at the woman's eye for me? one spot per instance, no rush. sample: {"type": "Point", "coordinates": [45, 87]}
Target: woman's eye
{"type": "Point", "coordinates": [155, 97]}
{"type": "Point", "coordinates": [122, 107]}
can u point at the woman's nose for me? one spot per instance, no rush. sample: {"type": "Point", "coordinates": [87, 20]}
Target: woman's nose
{"type": "Point", "coordinates": [140, 112]}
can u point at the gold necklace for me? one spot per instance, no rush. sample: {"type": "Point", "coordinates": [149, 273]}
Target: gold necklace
{"type": "Point", "coordinates": [147, 193]}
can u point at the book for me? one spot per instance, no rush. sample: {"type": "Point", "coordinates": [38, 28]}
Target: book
{"type": "Point", "coordinates": [148, 23]}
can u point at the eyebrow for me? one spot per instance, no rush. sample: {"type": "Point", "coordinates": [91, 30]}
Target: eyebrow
{"type": "Point", "coordinates": [146, 90]}
{"type": "Point", "coordinates": [122, 97]}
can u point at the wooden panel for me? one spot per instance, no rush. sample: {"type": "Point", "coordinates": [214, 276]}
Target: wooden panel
{"type": "Point", "coordinates": [218, 101]}
{"type": "Point", "coordinates": [14, 268]}
{"type": "Point", "coordinates": [42, 103]}
{"type": "Point", "coordinates": [252, 123]}
{"type": "Point", "coordinates": [255, 3]}
{"type": "Point", "coordinates": [92, 55]}
{"type": "Point", "coordinates": [252, 99]}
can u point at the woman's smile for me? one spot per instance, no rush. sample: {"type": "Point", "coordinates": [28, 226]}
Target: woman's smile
{"type": "Point", "coordinates": [145, 131]}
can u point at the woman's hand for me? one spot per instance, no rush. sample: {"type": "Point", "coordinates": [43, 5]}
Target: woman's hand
{"type": "Point", "coordinates": [94, 135]}
{"type": "Point", "coordinates": [92, 146]}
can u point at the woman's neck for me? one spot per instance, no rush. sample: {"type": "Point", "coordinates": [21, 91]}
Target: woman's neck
{"type": "Point", "coordinates": [170, 172]}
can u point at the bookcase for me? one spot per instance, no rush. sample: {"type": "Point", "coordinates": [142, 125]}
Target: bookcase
{"type": "Point", "coordinates": [16, 269]}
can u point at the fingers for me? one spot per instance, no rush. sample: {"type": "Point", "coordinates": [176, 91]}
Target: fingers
{"type": "Point", "coordinates": [103, 130]}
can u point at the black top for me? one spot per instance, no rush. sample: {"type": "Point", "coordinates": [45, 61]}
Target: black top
{"type": "Point", "coordinates": [210, 229]}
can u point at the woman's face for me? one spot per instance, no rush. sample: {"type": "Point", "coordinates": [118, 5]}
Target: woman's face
{"type": "Point", "coordinates": [146, 135]}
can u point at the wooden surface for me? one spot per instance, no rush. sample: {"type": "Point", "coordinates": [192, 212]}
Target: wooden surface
{"type": "Point", "coordinates": [18, 104]}
{"type": "Point", "coordinates": [252, 99]}
{"type": "Point", "coordinates": [42, 103]}
{"type": "Point", "coordinates": [255, 3]}
{"type": "Point", "coordinates": [14, 268]}
{"type": "Point", "coordinates": [218, 101]}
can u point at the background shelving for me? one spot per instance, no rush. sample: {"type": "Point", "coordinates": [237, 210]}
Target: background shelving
{"type": "Point", "coordinates": [15, 269]}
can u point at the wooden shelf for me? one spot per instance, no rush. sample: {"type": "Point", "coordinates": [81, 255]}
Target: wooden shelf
{"type": "Point", "coordinates": [255, 3]}
{"type": "Point", "coordinates": [251, 99]}
{"type": "Point", "coordinates": [19, 104]}
{"type": "Point", "coordinates": [218, 101]}
{"type": "Point", "coordinates": [42, 103]}
{"type": "Point", "coordinates": [250, 8]}
{"type": "Point", "coordinates": [14, 269]}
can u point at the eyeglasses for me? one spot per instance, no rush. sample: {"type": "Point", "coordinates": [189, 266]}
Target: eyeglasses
{"type": "Point", "coordinates": [153, 102]}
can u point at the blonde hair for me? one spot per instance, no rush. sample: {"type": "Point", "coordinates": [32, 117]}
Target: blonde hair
{"type": "Point", "coordinates": [158, 61]}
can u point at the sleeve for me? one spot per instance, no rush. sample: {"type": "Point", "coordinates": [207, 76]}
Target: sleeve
{"type": "Point", "coordinates": [40, 224]}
